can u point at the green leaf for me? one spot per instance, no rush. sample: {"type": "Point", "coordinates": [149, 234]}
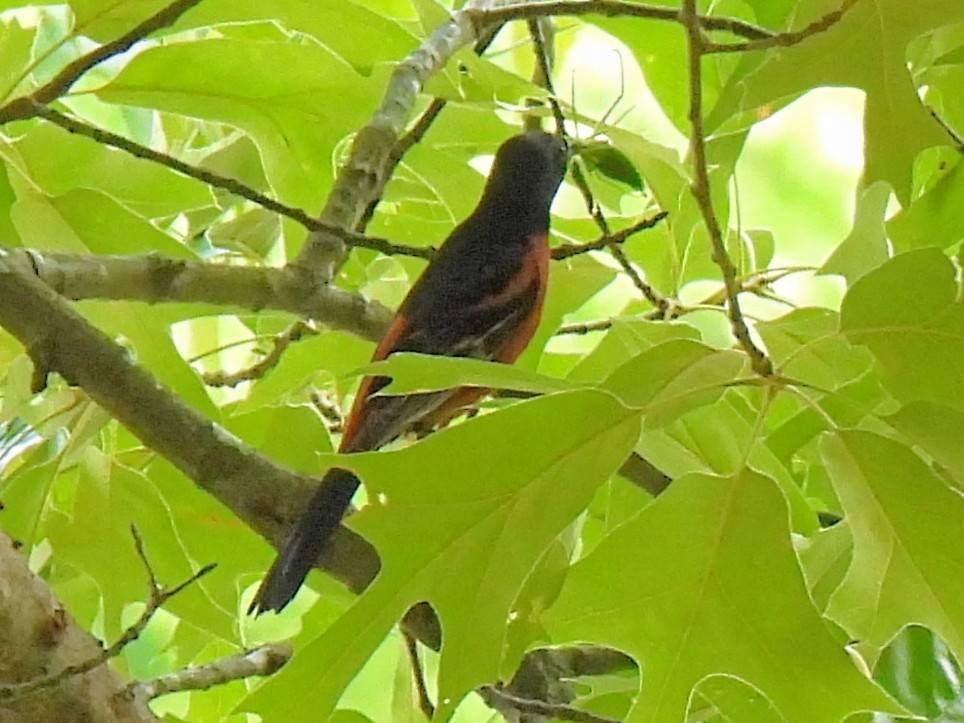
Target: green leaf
{"type": "Point", "coordinates": [806, 345]}
{"type": "Point", "coordinates": [463, 548]}
{"type": "Point", "coordinates": [95, 221]}
{"type": "Point", "coordinates": [96, 538]}
{"type": "Point", "coordinates": [612, 163]}
{"type": "Point", "coordinates": [105, 20]}
{"type": "Point", "coordinates": [481, 80]}
{"type": "Point", "coordinates": [919, 671]}
{"type": "Point", "coordinates": [904, 520]}
{"type": "Point", "coordinates": [723, 438]}
{"type": "Point", "coordinates": [935, 428]}
{"type": "Point", "coordinates": [314, 361]}
{"type": "Point", "coordinates": [293, 436]}
{"type": "Point", "coordinates": [282, 94]}
{"type": "Point", "coordinates": [43, 152]}
{"type": "Point", "coordinates": [721, 699]}
{"type": "Point", "coordinates": [907, 314]}
{"type": "Point", "coordinates": [668, 586]}
{"type": "Point", "coordinates": [25, 492]}
{"type": "Point", "coordinates": [911, 287]}
{"type": "Point", "coordinates": [16, 42]}
{"type": "Point", "coordinates": [897, 126]}
{"type": "Point", "coordinates": [865, 247]}
{"type": "Point", "coordinates": [669, 379]}
{"type": "Point", "coordinates": [825, 558]}
{"type": "Point", "coordinates": [627, 338]}
{"type": "Point", "coordinates": [934, 219]}
{"type": "Point", "coordinates": [346, 27]}
{"type": "Point", "coordinates": [413, 373]}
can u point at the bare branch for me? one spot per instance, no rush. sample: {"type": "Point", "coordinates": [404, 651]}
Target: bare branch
{"type": "Point", "coordinates": [329, 410]}
{"type": "Point", "coordinates": [157, 596]}
{"type": "Point", "coordinates": [364, 174]}
{"type": "Point", "coordinates": [418, 676]}
{"type": "Point", "coordinates": [784, 40]}
{"type": "Point", "coordinates": [293, 333]}
{"type": "Point", "coordinates": [417, 132]}
{"type": "Point", "coordinates": [350, 238]}
{"type": "Point", "coordinates": [39, 635]}
{"type": "Point", "coordinates": [501, 700]}
{"type": "Point", "coordinates": [24, 107]}
{"type": "Point", "coordinates": [653, 296]}
{"type": "Point", "coordinates": [587, 327]}
{"type": "Point", "coordinates": [261, 661]}
{"type": "Point", "coordinates": [154, 278]}
{"type": "Point", "coordinates": [614, 8]}
{"type": "Point", "coordinates": [605, 241]}
{"type": "Point", "coordinates": [700, 188]}
{"type": "Point", "coordinates": [541, 30]}
{"type": "Point", "coordinates": [59, 340]}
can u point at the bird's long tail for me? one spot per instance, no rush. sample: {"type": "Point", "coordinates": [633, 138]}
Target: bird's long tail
{"type": "Point", "coordinates": [306, 541]}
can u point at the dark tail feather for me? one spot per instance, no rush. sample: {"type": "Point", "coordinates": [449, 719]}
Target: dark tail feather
{"type": "Point", "coordinates": [306, 541]}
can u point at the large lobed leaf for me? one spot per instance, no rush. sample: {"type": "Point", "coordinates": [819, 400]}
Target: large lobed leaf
{"type": "Point", "coordinates": [459, 520]}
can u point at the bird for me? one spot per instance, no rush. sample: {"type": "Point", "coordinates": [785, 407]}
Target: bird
{"type": "Point", "coordinates": [480, 297]}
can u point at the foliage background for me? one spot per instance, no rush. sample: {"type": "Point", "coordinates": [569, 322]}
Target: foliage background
{"type": "Point", "coordinates": [841, 199]}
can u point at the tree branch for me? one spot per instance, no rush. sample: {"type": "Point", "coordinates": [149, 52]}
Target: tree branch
{"type": "Point", "coordinates": [607, 240]}
{"type": "Point", "coordinates": [418, 676]}
{"type": "Point", "coordinates": [107, 138]}
{"type": "Point", "coordinates": [265, 495]}
{"type": "Point", "coordinates": [784, 40]}
{"type": "Point", "coordinates": [58, 86]}
{"type": "Point", "coordinates": [364, 174]}
{"type": "Point", "coordinates": [154, 278]}
{"type": "Point", "coordinates": [653, 296]}
{"type": "Point", "coordinates": [507, 703]}
{"type": "Point", "coordinates": [157, 596]}
{"type": "Point", "coordinates": [282, 341]}
{"type": "Point", "coordinates": [417, 132]}
{"type": "Point", "coordinates": [613, 8]}
{"type": "Point", "coordinates": [39, 635]}
{"type": "Point", "coordinates": [700, 188]}
{"type": "Point", "coordinates": [261, 661]}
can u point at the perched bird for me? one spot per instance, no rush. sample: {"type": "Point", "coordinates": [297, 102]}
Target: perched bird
{"type": "Point", "coordinates": [480, 297]}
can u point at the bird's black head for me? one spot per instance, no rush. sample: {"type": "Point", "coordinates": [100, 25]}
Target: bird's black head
{"type": "Point", "coordinates": [527, 171]}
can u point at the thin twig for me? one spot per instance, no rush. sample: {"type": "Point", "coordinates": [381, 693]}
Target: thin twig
{"type": "Point", "coordinates": [293, 333]}
{"type": "Point", "coordinates": [157, 596]}
{"type": "Point", "coordinates": [755, 283]}
{"type": "Point", "coordinates": [591, 205]}
{"type": "Point", "coordinates": [418, 676]}
{"type": "Point", "coordinates": [784, 40]}
{"type": "Point", "coordinates": [329, 410]}
{"type": "Point", "coordinates": [614, 8]}
{"type": "Point", "coordinates": [567, 250]}
{"type": "Point", "coordinates": [543, 72]}
{"type": "Point", "coordinates": [58, 86]}
{"type": "Point", "coordinates": [501, 700]}
{"type": "Point", "coordinates": [586, 327]}
{"type": "Point", "coordinates": [654, 297]}
{"type": "Point", "coordinates": [216, 180]}
{"type": "Point", "coordinates": [700, 188]}
{"type": "Point", "coordinates": [261, 661]}
{"type": "Point", "coordinates": [651, 294]}
{"type": "Point", "coordinates": [404, 144]}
